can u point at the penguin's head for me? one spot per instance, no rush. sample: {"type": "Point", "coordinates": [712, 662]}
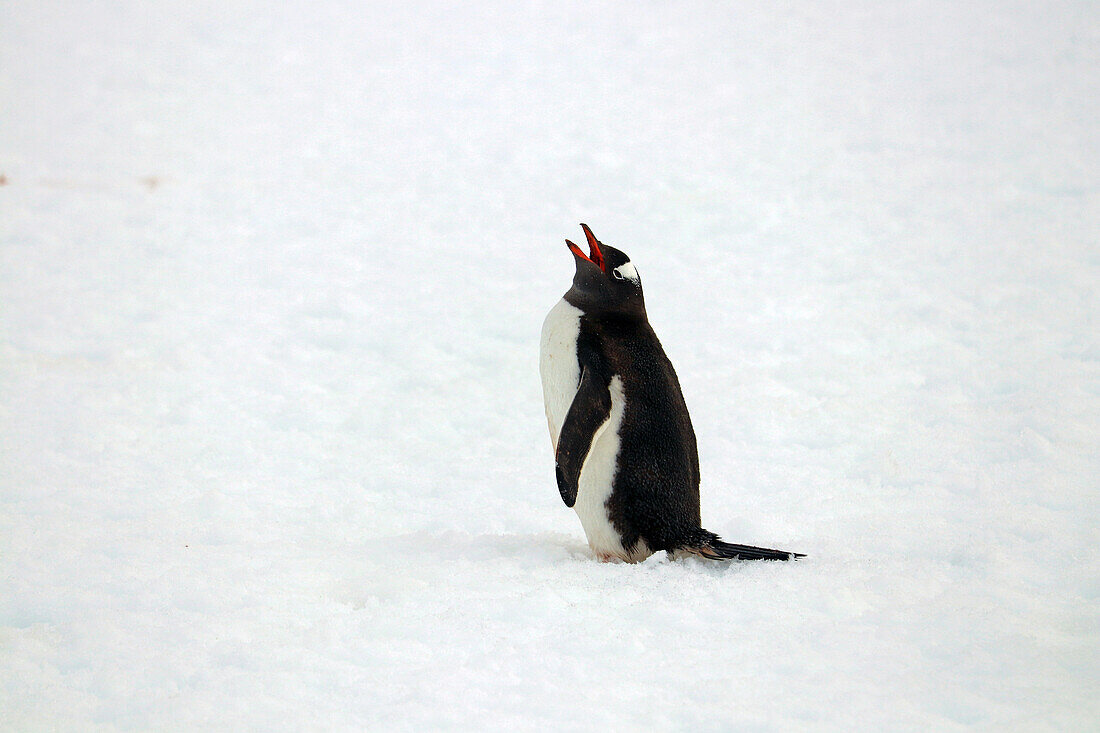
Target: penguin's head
{"type": "Point", "coordinates": [606, 281]}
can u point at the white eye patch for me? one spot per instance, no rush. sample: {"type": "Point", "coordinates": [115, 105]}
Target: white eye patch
{"type": "Point", "coordinates": [627, 271]}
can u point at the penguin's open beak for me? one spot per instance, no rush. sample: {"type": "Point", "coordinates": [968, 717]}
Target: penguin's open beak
{"type": "Point", "coordinates": [594, 255]}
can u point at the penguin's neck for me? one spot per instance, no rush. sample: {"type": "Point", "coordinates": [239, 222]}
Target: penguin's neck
{"type": "Point", "coordinates": [632, 311]}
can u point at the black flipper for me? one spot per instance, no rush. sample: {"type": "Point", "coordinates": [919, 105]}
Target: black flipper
{"type": "Point", "coordinates": [590, 409]}
{"type": "Point", "coordinates": [709, 545]}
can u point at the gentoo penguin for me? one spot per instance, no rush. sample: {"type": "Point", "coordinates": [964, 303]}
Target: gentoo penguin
{"type": "Point", "coordinates": [624, 449]}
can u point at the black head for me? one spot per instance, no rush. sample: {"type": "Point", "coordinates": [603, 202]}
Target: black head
{"type": "Point", "coordinates": [606, 282]}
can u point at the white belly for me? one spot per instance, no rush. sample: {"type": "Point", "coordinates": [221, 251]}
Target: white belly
{"type": "Point", "coordinates": [561, 375]}
{"type": "Point", "coordinates": [558, 366]}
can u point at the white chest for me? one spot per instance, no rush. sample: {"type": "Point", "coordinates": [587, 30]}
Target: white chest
{"type": "Point", "coordinates": [561, 375]}
{"type": "Point", "coordinates": [558, 366]}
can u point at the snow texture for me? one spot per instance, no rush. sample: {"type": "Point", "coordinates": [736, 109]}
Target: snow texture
{"type": "Point", "coordinates": [272, 446]}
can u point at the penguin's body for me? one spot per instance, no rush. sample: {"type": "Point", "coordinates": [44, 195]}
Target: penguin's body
{"type": "Point", "coordinates": [565, 334]}
{"type": "Point", "coordinates": [625, 453]}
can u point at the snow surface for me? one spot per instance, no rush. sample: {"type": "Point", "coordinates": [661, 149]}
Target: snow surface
{"type": "Point", "coordinates": [272, 449]}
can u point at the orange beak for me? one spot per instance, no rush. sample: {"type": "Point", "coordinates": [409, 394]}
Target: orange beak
{"type": "Point", "coordinates": [594, 255]}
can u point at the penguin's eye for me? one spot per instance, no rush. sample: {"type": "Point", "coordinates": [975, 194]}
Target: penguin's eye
{"type": "Point", "coordinates": [626, 271]}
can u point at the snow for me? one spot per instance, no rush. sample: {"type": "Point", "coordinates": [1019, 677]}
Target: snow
{"type": "Point", "coordinates": [272, 447]}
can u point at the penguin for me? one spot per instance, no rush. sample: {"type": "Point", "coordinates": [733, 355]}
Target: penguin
{"type": "Point", "coordinates": [625, 456]}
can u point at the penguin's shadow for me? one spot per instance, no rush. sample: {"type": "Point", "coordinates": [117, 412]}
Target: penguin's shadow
{"type": "Point", "coordinates": [555, 547]}
{"type": "Point", "coordinates": [421, 565]}
{"type": "Point", "coordinates": [540, 547]}
{"type": "Point", "coordinates": [388, 569]}
{"type": "Point", "coordinates": [432, 554]}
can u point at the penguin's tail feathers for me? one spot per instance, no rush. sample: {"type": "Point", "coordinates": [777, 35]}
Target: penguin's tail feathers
{"type": "Point", "coordinates": [709, 545]}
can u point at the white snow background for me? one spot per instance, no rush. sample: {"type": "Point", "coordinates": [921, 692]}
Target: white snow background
{"type": "Point", "coordinates": [272, 445]}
